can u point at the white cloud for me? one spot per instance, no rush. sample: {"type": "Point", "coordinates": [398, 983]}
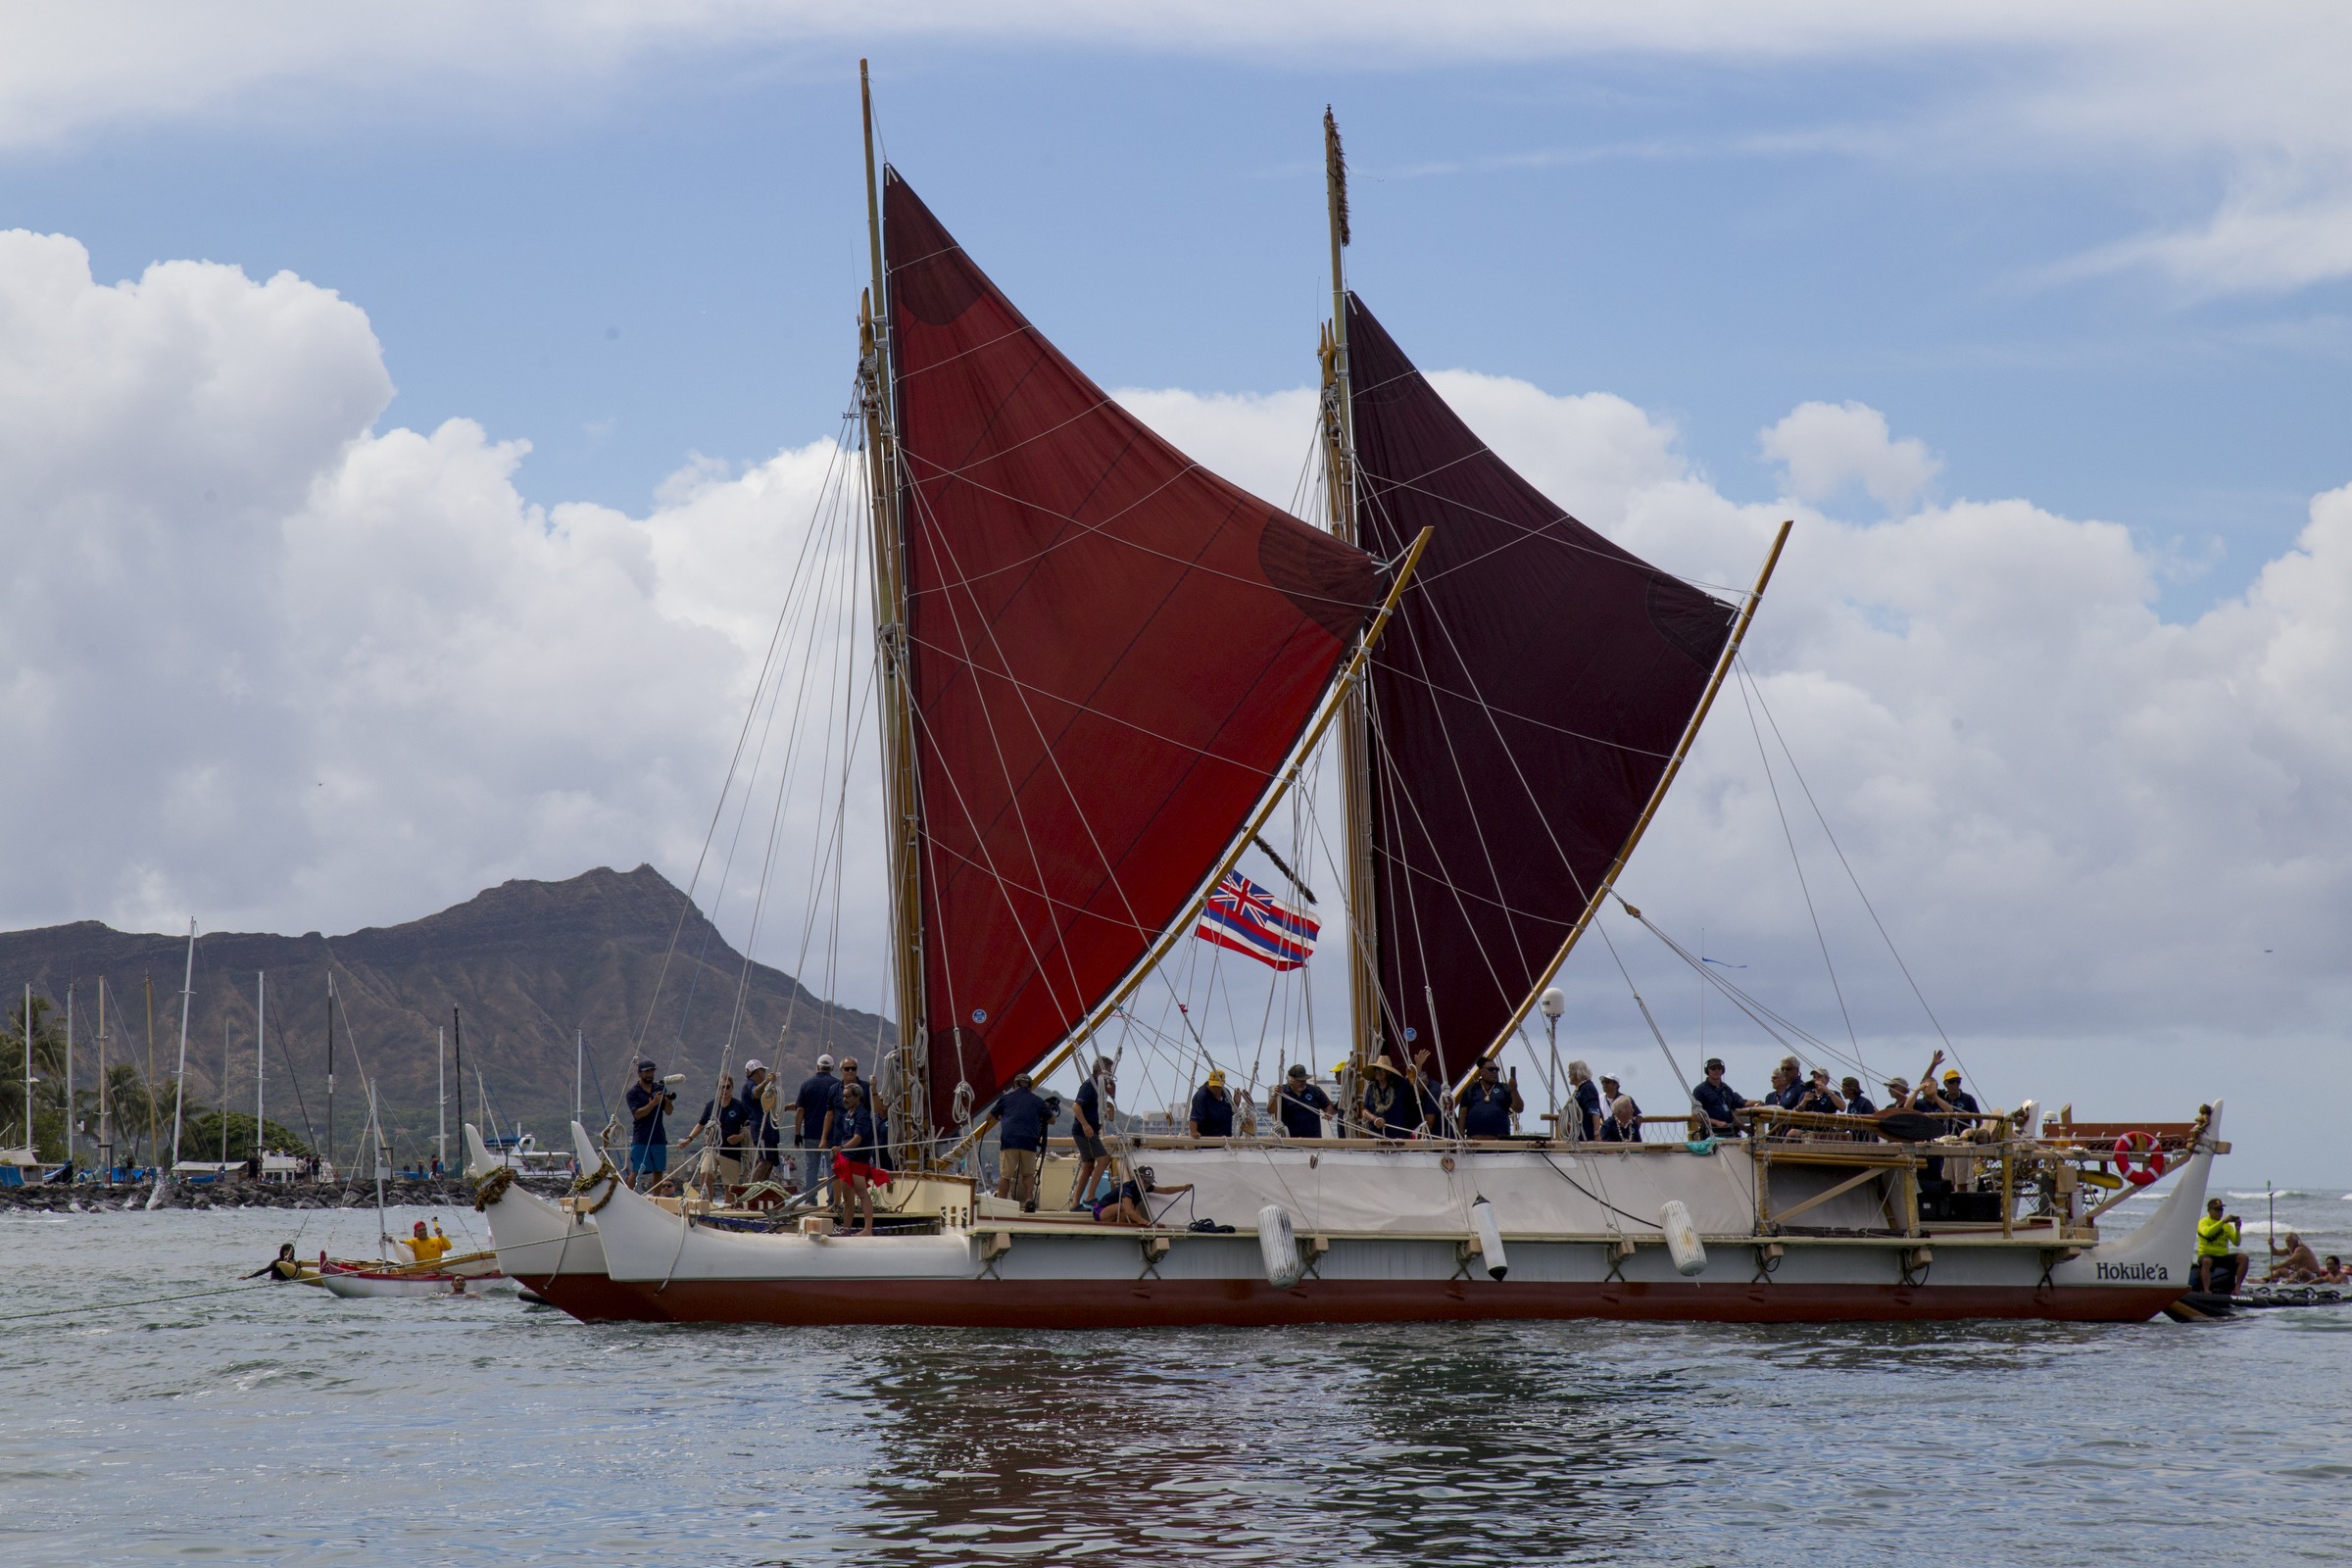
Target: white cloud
{"type": "Point", "coordinates": [277, 669]}
{"type": "Point", "coordinates": [1824, 447]}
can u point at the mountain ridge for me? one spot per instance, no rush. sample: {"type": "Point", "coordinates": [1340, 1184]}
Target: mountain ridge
{"type": "Point", "coordinates": [525, 963]}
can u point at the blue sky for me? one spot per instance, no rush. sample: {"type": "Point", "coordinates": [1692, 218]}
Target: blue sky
{"type": "Point", "coordinates": [665, 262]}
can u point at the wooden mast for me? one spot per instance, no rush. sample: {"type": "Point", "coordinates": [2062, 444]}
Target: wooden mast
{"type": "Point", "coordinates": [1356, 726]}
{"type": "Point", "coordinates": [1657, 796]}
{"type": "Point", "coordinates": [901, 797]}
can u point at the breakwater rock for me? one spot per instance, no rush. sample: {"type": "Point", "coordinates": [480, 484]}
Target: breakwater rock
{"type": "Point", "coordinates": [446, 1192]}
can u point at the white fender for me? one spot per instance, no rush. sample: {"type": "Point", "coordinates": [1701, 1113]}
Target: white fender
{"type": "Point", "coordinates": [1279, 1244]}
{"type": "Point", "coordinates": [1490, 1239]}
{"type": "Point", "coordinates": [1683, 1245]}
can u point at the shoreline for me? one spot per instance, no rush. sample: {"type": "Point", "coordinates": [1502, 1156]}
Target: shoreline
{"type": "Point", "coordinates": [94, 1198]}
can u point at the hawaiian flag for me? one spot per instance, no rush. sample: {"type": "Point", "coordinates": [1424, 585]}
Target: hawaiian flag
{"type": "Point", "coordinates": [1246, 917]}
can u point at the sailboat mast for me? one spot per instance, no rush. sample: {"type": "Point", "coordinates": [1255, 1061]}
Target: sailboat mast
{"type": "Point", "coordinates": [261, 1013]}
{"type": "Point", "coordinates": [1355, 720]}
{"type": "Point", "coordinates": [898, 792]}
{"type": "Point", "coordinates": [30, 1147]}
{"type": "Point", "coordinates": [106, 1115]}
{"type": "Point", "coordinates": [441, 1097]}
{"type": "Point", "coordinates": [68, 1072]}
{"type": "Point", "coordinates": [187, 992]}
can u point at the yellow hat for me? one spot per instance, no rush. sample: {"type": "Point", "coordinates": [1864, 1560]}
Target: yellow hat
{"type": "Point", "coordinates": [1216, 1077]}
{"type": "Point", "coordinates": [1951, 1075]}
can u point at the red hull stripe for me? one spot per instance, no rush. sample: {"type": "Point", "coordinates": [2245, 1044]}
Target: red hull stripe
{"type": "Point", "coordinates": [1175, 1303]}
{"type": "Point", "coordinates": [596, 1297]}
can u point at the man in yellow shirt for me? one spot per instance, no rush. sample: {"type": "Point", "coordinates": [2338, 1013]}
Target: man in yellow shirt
{"type": "Point", "coordinates": [426, 1248]}
{"type": "Point", "coordinates": [2217, 1249]}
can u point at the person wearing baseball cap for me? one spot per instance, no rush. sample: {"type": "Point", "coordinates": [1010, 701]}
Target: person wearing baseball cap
{"type": "Point", "coordinates": [649, 1100]}
{"type": "Point", "coordinates": [808, 1111]}
{"type": "Point", "coordinates": [1956, 1096]}
{"type": "Point", "coordinates": [1212, 1108]}
{"type": "Point", "coordinates": [759, 1123]}
{"type": "Point", "coordinates": [1718, 1101]}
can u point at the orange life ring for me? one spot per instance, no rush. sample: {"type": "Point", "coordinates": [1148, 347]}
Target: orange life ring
{"type": "Point", "coordinates": [2143, 1149]}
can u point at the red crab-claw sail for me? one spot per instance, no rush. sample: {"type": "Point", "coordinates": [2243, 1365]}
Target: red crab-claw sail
{"type": "Point", "coordinates": [1113, 651]}
{"type": "Point", "coordinates": [1526, 700]}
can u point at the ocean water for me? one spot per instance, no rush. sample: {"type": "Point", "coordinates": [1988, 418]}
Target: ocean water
{"type": "Point", "coordinates": [280, 1425]}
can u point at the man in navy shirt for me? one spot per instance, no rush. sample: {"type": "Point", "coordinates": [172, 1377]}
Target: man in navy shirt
{"type": "Point", "coordinates": [1212, 1108]}
{"type": "Point", "coordinates": [1097, 1100]}
{"type": "Point", "coordinates": [1488, 1103]}
{"type": "Point", "coordinates": [809, 1108]}
{"type": "Point", "coordinates": [723, 1120]}
{"type": "Point", "coordinates": [1021, 1137]}
{"type": "Point", "coordinates": [649, 1098]}
{"type": "Point", "coordinates": [1301, 1106]}
{"type": "Point", "coordinates": [1718, 1100]}
{"type": "Point", "coordinates": [759, 1123]}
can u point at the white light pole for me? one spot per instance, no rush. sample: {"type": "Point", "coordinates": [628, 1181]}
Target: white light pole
{"type": "Point", "coordinates": [441, 1094]}
{"type": "Point", "coordinates": [1553, 1005]}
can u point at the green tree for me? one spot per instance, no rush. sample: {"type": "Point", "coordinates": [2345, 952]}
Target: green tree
{"type": "Point", "coordinates": [201, 1138]}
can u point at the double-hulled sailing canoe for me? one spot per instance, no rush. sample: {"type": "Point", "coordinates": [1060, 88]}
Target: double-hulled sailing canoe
{"type": "Point", "coordinates": [1099, 666]}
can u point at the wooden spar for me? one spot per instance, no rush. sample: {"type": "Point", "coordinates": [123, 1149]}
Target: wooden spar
{"type": "Point", "coordinates": [902, 800]}
{"type": "Point", "coordinates": [1355, 737]}
{"type": "Point", "coordinates": [1177, 928]}
{"type": "Point", "coordinates": [1657, 796]}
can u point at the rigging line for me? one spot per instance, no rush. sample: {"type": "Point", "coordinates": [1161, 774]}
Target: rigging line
{"type": "Point", "coordinates": [1053, 758]}
{"type": "Point", "coordinates": [787, 768]}
{"type": "Point", "coordinates": [1525, 719]}
{"type": "Point", "coordinates": [1804, 885]}
{"type": "Point", "coordinates": [1084, 707]}
{"type": "Point", "coordinates": [1616, 556]}
{"type": "Point", "coordinates": [1102, 530]}
{"type": "Point", "coordinates": [785, 775]}
{"type": "Point", "coordinates": [718, 811]}
{"type": "Point", "coordinates": [843, 635]}
{"type": "Point", "coordinates": [1392, 786]}
{"type": "Point", "coordinates": [1824, 821]}
{"type": "Point", "coordinates": [1013, 789]}
{"type": "Point", "coordinates": [1651, 1224]}
{"type": "Point", "coordinates": [1781, 1028]}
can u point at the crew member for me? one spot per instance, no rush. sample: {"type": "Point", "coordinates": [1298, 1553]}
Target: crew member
{"type": "Point", "coordinates": [649, 1101]}
{"type": "Point", "coordinates": [1130, 1205]}
{"type": "Point", "coordinates": [1212, 1108]}
{"type": "Point", "coordinates": [2217, 1249]}
{"type": "Point", "coordinates": [1584, 1102]}
{"type": "Point", "coordinates": [1020, 1138]}
{"type": "Point", "coordinates": [1299, 1106]}
{"type": "Point", "coordinates": [855, 1175]}
{"type": "Point", "coordinates": [1389, 1110]}
{"type": "Point", "coordinates": [1488, 1103]}
{"type": "Point", "coordinates": [1719, 1101]}
{"type": "Point", "coordinates": [1095, 1104]}
{"type": "Point", "coordinates": [723, 1120]}
{"type": "Point", "coordinates": [1624, 1123]}
{"type": "Point", "coordinates": [761, 1143]}
{"type": "Point", "coordinates": [809, 1108]}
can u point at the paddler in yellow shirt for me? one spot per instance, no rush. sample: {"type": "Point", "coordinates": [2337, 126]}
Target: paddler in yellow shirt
{"type": "Point", "coordinates": [427, 1248]}
{"type": "Point", "coordinates": [2217, 1249]}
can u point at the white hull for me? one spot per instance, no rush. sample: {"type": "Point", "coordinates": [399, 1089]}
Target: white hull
{"type": "Point", "coordinates": [1387, 1233]}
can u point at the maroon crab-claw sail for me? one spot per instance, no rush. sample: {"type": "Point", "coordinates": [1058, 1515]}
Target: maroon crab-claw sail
{"type": "Point", "coordinates": [1526, 699]}
{"type": "Point", "coordinates": [1112, 651]}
